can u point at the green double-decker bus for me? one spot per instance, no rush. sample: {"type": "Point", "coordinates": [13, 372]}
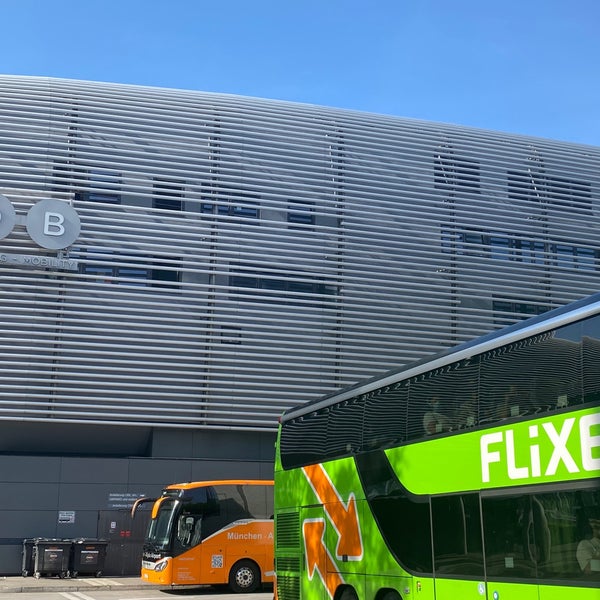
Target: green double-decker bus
{"type": "Point", "coordinates": [474, 474]}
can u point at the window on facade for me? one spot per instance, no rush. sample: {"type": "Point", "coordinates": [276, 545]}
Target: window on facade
{"type": "Point", "coordinates": [559, 192]}
{"type": "Point", "coordinates": [300, 213]}
{"type": "Point", "coordinates": [290, 284]}
{"type": "Point", "coordinates": [167, 194]}
{"type": "Point", "coordinates": [67, 177]}
{"type": "Point", "coordinates": [231, 334]}
{"type": "Point", "coordinates": [532, 251]}
{"type": "Point", "coordinates": [101, 185]}
{"type": "Point", "coordinates": [524, 186]}
{"type": "Point", "coordinates": [568, 194]}
{"type": "Point", "coordinates": [168, 275]}
{"type": "Point", "coordinates": [112, 267]}
{"type": "Point", "coordinates": [468, 242]}
{"type": "Point", "coordinates": [502, 246]}
{"type": "Point", "coordinates": [517, 309]}
{"type": "Point", "coordinates": [575, 257]}
{"type": "Point", "coordinates": [231, 202]}
{"type": "Point", "coordinates": [248, 209]}
{"type": "Point", "coordinates": [129, 269]}
{"type": "Point", "coordinates": [455, 174]}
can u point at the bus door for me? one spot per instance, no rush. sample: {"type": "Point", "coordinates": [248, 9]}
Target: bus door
{"type": "Point", "coordinates": [514, 545]}
{"type": "Point", "coordinates": [319, 571]}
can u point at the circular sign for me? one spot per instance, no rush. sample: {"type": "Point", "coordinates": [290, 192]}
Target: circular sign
{"type": "Point", "coordinates": [53, 224]}
{"type": "Point", "coordinates": [8, 216]}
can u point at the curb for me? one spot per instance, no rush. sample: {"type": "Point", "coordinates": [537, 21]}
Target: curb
{"type": "Point", "coordinates": [11, 585]}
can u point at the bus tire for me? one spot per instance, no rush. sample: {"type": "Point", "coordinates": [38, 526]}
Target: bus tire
{"type": "Point", "coordinates": [390, 595]}
{"type": "Point", "coordinates": [348, 593]}
{"type": "Point", "coordinates": [244, 577]}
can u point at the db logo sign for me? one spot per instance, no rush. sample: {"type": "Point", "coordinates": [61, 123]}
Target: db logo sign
{"type": "Point", "coordinates": [51, 224]}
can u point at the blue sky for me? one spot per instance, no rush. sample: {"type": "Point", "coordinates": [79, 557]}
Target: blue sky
{"type": "Point", "coordinates": [528, 66]}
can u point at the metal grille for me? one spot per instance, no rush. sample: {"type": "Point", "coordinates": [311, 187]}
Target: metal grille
{"type": "Point", "coordinates": [240, 256]}
{"type": "Point", "coordinates": [288, 563]}
{"type": "Point", "coordinates": [288, 531]}
{"type": "Point", "coordinates": [288, 587]}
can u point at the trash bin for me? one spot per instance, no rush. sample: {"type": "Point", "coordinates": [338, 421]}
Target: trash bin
{"type": "Point", "coordinates": [28, 559]}
{"type": "Point", "coordinates": [51, 557]}
{"type": "Point", "coordinates": [87, 556]}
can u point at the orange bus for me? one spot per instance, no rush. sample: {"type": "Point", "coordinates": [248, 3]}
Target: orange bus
{"type": "Point", "coordinates": [211, 532]}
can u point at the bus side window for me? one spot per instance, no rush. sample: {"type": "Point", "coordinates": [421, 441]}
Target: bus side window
{"type": "Point", "coordinates": [196, 536]}
{"type": "Point", "coordinates": [591, 350]}
{"type": "Point", "coordinates": [185, 526]}
{"type": "Point", "coordinates": [508, 534]}
{"type": "Point", "coordinates": [457, 540]}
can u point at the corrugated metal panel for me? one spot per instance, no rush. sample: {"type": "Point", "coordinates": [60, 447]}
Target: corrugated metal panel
{"type": "Point", "coordinates": [239, 256]}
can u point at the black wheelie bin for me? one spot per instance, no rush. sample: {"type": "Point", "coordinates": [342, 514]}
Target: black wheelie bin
{"type": "Point", "coordinates": [51, 557]}
{"type": "Point", "coordinates": [28, 558]}
{"type": "Point", "coordinates": [87, 556]}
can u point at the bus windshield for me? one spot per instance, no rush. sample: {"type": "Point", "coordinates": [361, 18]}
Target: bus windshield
{"type": "Point", "coordinates": [160, 528]}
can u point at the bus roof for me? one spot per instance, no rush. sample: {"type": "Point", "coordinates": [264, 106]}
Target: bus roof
{"type": "Point", "coordinates": [198, 484]}
{"type": "Point", "coordinates": [558, 317]}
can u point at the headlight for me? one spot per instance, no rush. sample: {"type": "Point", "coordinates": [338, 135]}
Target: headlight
{"type": "Point", "coordinates": [162, 564]}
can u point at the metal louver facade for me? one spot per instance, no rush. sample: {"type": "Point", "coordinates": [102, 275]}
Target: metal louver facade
{"type": "Point", "coordinates": [239, 256]}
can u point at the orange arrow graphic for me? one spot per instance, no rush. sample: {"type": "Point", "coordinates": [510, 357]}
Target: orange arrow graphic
{"type": "Point", "coordinates": [317, 555]}
{"type": "Point", "coordinates": [343, 516]}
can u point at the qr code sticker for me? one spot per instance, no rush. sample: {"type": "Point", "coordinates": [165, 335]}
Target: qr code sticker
{"type": "Point", "coordinates": [216, 561]}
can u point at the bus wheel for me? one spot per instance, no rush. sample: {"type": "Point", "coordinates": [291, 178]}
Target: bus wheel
{"type": "Point", "coordinates": [348, 593]}
{"type": "Point", "coordinates": [244, 577]}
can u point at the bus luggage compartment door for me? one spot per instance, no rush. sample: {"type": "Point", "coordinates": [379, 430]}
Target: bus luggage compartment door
{"type": "Point", "coordinates": [320, 578]}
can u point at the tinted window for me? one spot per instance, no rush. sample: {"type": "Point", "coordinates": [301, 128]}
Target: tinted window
{"type": "Point", "coordinates": [386, 417]}
{"type": "Point", "coordinates": [534, 375]}
{"type": "Point", "coordinates": [304, 439]}
{"type": "Point", "coordinates": [457, 543]}
{"type": "Point", "coordinates": [508, 525]}
{"type": "Point", "coordinates": [403, 520]}
{"type": "Point", "coordinates": [551, 536]}
{"type": "Point", "coordinates": [591, 359]}
{"type": "Point", "coordinates": [344, 428]}
{"type": "Point", "coordinates": [443, 400]}
{"type": "Point", "coordinates": [245, 502]}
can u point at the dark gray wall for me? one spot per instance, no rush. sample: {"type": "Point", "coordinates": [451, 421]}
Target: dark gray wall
{"type": "Point", "coordinates": [35, 488]}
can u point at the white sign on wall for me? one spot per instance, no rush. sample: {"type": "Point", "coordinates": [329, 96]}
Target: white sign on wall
{"type": "Point", "coordinates": [51, 224]}
{"type": "Point", "coordinates": [66, 516]}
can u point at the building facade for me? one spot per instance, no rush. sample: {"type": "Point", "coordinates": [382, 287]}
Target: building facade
{"type": "Point", "coordinates": [177, 268]}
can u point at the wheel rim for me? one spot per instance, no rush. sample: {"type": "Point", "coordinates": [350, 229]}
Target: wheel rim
{"type": "Point", "coordinates": [244, 577]}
